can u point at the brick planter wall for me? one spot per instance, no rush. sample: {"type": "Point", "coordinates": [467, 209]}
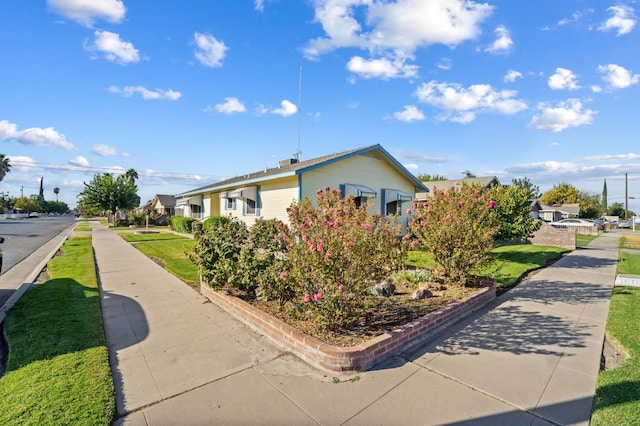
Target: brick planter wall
{"type": "Point", "coordinates": [353, 358]}
{"type": "Point", "coordinates": [548, 235]}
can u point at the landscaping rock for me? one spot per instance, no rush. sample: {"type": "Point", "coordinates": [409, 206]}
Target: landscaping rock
{"type": "Point", "coordinates": [385, 289]}
{"type": "Point", "coordinates": [423, 293]}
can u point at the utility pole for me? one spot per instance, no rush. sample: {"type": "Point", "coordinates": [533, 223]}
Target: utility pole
{"type": "Point", "coordinates": [626, 198]}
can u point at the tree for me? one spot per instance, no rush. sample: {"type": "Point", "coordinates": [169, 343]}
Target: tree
{"type": "Point", "coordinates": [616, 209]}
{"type": "Point", "coordinates": [468, 175]}
{"type": "Point", "coordinates": [604, 196]}
{"type": "Point", "coordinates": [561, 193]}
{"type": "Point", "coordinates": [131, 175]}
{"type": "Point", "coordinates": [513, 209]}
{"type": "Point", "coordinates": [534, 190]}
{"type": "Point", "coordinates": [426, 177]}
{"type": "Point", "coordinates": [56, 191]}
{"type": "Point", "coordinates": [105, 192]}
{"type": "Point", "coordinates": [5, 167]}
{"type": "Point", "coordinates": [27, 205]}
{"type": "Point", "coordinates": [41, 193]}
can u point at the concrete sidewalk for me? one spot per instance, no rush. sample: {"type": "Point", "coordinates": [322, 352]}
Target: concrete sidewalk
{"type": "Point", "coordinates": [529, 358]}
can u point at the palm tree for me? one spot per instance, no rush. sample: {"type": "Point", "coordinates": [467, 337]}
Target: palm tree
{"type": "Point", "coordinates": [131, 176]}
{"type": "Point", "coordinates": [56, 191]}
{"type": "Point", "coordinates": [5, 167]}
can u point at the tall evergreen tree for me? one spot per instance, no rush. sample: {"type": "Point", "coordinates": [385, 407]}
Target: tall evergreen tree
{"type": "Point", "coordinates": [604, 197]}
{"type": "Point", "coordinates": [5, 167]}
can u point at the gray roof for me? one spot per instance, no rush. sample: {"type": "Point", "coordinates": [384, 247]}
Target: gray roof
{"type": "Point", "coordinates": [299, 167]}
{"type": "Point", "coordinates": [166, 200]}
{"type": "Point", "coordinates": [573, 208]}
{"type": "Point", "coordinates": [444, 185]}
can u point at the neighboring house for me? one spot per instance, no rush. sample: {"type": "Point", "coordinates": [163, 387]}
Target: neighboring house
{"type": "Point", "coordinates": [556, 212]}
{"type": "Point", "coordinates": [368, 173]}
{"type": "Point", "coordinates": [445, 185]}
{"type": "Point", "coordinates": [164, 204]}
{"type": "Point", "coordinates": [536, 207]}
{"type": "Point", "coordinates": [145, 208]}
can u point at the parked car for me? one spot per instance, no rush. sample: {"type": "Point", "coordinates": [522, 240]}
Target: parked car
{"type": "Point", "coordinates": [624, 224]}
{"type": "Point", "coordinates": [574, 222]}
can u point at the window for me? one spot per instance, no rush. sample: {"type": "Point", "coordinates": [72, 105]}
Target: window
{"type": "Point", "coordinates": [230, 204]}
{"type": "Point", "coordinates": [393, 207]}
{"type": "Point", "coordinates": [250, 206]}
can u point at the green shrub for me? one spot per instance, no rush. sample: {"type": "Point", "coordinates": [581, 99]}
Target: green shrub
{"type": "Point", "coordinates": [217, 253]}
{"type": "Point", "coordinates": [413, 277]}
{"type": "Point", "coordinates": [263, 260]}
{"type": "Point", "coordinates": [182, 224]}
{"type": "Point", "coordinates": [458, 227]}
{"type": "Point", "coordinates": [214, 221]}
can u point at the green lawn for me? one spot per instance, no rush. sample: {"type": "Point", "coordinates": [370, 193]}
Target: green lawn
{"type": "Point", "coordinates": [584, 240]}
{"type": "Point", "coordinates": [58, 368]}
{"type": "Point", "coordinates": [617, 399]}
{"type": "Point", "coordinates": [172, 254]}
{"type": "Point", "coordinates": [155, 236]}
{"type": "Point", "coordinates": [509, 264]}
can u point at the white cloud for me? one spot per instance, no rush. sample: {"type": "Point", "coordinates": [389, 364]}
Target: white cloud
{"type": "Point", "coordinates": [512, 75]}
{"type": "Point", "coordinates": [596, 89]}
{"type": "Point", "coordinates": [408, 114]}
{"type": "Point", "coordinates": [86, 12]}
{"type": "Point", "coordinates": [230, 106]}
{"type": "Point", "coordinates": [623, 20]}
{"type": "Point", "coordinates": [503, 43]}
{"type": "Point", "coordinates": [114, 49]}
{"type": "Point", "coordinates": [617, 76]}
{"type": "Point", "coordinates": [563, 79]}
{"type": "Point", "coordinates": [394, 30]}
{"type": "Point", "coordinates": [22, 164]}
{"type": "Point", "coordinates": [462, 104]}
{"type": "Point", "coordinates": [259, 5]}
{"type": "Point", "coordinates": [107, 151]}
{"type": "Point", "coordinates": [419, 157]}
{"type": "Point", "coordinates": [564, 115]}
{"type": "Point", "coordinates": [381, 68]}
{"type": "Point", "coordinates": [286, 109]}
{"type": "Point", "coordinates": [157, 94]}
{"type": "Point", "coordinates": [35, 136]}
{"type": "Point", "coordinates": [79, 161]}
{"type": "Point", "coordinates": [210, 51]}
{"type": "Point", "coordinates": [445, 64]}
{"type": "Point", "coordinates": [411, 167]}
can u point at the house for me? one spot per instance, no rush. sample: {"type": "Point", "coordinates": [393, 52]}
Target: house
{"type": "Point", "coordinates": [445, 185]}
{"type": "Point", "coordinates": [368, 173]}
{"type": "Point", "coordinates": [556, 212]}
{"type": "Point", "coordinates": [164, 204]}
{"type": "Point", "coordinates": [535, 209]}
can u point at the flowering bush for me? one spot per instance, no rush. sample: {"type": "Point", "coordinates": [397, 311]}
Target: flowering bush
{"type": "Point", "coordinates": [337, 251]}
{"type": "Point", "coordinates": [457, 227]}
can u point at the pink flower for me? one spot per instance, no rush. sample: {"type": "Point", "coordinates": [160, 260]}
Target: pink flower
{"type": "Point", "coordinates": [307, 298]}
{"type": "Point", "coordinates": [328, 255]}
{"type": "Point", "coordinates": [326, 223]}
{"type": "Point", "coordinates": [349, 245]}
{"type": "Point", "coordinates": [317, 297]}
{"type": "Point", "coordinates": [413, 244]}
{"type": "Point", "coordinates": [408, 211]}
{"type": "Point", "coordinates": [492, 204]}
{"type": "Point", "coordinates": [447, 217]}
{"type": "Point", "coordinates": [312, 246]}
{"type": "Point", "coordinates": [460, 203]}
{"type": "Point", "coordinates": [320, 246]}
{"type": "Point", "coordinates": [341, 288]}
{"type": "Point", "coordinates": [283, 275]}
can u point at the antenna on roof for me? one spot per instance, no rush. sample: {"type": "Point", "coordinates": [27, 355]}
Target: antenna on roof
{"type": "Point", "coordinates": [298, 152]}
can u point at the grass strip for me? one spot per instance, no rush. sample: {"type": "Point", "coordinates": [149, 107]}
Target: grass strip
{"type": "Point", "coordinates": [132, 237]}
{"type": "Point", "coordinates": [58, 368]}
{"type": "Point", "coordinates": [628, 263]}
{"type": "Point", "coordinates": [509, 262]}
{"type": "Point", "coordinates": [172, 255]}
{"type": "Point", "coordinates": [617, 399]}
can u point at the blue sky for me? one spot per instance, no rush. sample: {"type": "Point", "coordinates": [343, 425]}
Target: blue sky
{"type": "Point", "coordinates": [191, 92]}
